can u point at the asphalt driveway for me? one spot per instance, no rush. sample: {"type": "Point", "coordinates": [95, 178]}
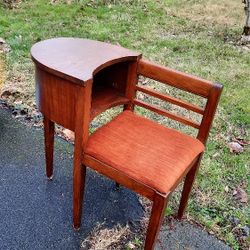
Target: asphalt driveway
{"type": "Point", "coordinates": [37, 214]}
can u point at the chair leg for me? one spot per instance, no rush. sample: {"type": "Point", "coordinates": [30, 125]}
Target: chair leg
{"type": "Point", "coordinates": [188, 184]}
{"type": "Point", "coordinates": [155, 221]}
{"type": "Point", "coordinates": [49, 129]}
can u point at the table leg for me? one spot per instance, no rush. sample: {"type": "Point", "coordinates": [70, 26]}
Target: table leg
{"type": "Point", "coordinates": [82, 116]}
{"type": "Point", "coordinates": [49, 129]}
{"type": "Point", "coordinates": [79, 172]}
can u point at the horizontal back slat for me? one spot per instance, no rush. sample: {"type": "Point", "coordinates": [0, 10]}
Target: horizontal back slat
{"type": "Point", "coordinates": [172, 100]}
{"type": "Point", "coordinates": [167, 114]}
{"type": "Point", "coordinates": [174, 78]}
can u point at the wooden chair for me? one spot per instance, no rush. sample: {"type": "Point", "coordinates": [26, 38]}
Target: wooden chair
{"type": "Point", "coordinates": [147, 157]}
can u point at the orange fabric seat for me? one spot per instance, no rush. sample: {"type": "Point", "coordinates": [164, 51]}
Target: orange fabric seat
{"type": "Point", "coordinates": [144, 150]}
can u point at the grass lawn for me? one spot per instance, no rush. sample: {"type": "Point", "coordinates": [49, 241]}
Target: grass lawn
{"type": "Point", "coordinates": [195, 36]}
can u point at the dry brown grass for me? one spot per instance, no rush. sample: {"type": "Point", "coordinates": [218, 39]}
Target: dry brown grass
{"type": "Point", "coordinates": [13, 87]}
{"type": "Point", "coordinates": [2, 73]}
{"type": "Point", "coordinates": [104, 238]}
{"type": "Point", "coordinates": [18, 85]}
{"type": "Point", "coordinates": [11, 3]}
{"type": "Point", "coordinates": [212, 12]}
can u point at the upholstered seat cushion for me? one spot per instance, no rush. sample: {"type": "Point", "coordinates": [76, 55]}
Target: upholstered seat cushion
{"type": "Point", "coordinates": [144, 150]}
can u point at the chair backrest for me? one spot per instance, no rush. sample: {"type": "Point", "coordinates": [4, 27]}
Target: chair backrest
{"type": "Point", "coordinates": [206, 89]}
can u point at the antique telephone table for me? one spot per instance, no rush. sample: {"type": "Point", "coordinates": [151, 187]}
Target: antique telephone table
{"type": "Point", "coordinates": [77, 79]}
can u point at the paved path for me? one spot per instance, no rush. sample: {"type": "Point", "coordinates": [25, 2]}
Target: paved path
{"type": "Point", "coordinates": [36, 213]}
{"type": "Point", "coordinates": [184, 236]}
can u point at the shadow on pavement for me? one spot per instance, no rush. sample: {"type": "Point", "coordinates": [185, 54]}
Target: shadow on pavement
{"type": "Point", "coordinates": [36, 213]}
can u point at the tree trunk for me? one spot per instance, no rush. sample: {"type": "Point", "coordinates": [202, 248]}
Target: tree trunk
{"type": "Point", "coordinates": [246, 31]}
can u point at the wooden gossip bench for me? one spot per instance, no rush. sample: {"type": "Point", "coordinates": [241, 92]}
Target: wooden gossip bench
{"type": "Point", "coordinates": [77, 79]}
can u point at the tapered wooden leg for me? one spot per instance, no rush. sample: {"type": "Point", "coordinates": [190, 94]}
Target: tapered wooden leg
{"type": "Point", "coordinates": [78, 199]}
{"type": "Point", "coordinates": [49, 129]}
{"type": "Point", "coordinates": [188, 184]}
{"type": "Point", "coordinates": [79, 174]}
{"type": "Point", "coordinates": [117, 186]}
{"type": "Point", "coordinates": [155, 221]}
{"type": "Point", "coordinates": [82, 116]}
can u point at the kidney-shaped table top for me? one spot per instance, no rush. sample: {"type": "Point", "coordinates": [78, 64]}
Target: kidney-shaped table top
{"type": "Point", "coordinates": [78, 59]}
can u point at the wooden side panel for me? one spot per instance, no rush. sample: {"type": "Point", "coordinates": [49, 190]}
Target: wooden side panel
{"type": "Point", "coordinates": [56, 98]}
{"type": "Point", "coordinates": [119, 176]}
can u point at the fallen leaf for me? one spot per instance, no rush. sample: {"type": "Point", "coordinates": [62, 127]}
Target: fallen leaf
{"type": "Point", "coordinates": [216, 155]}
{"type": "Point", "coordinates": [244, 40]}
{"type": "Point", "coordinates": [7, 93]}
{"type": "Point", "coordinates": [70, 135]}
{"type": "Point", "coordinates": [240, 195]}
{"type": "Point", "coordinates": [131, 245]}
{"type": "Point", "coordinates": [235, 147]}
{"type": "Point", "coordinates": [144, 81]}
{"type": "Point", "coordinates": [140, 96]}
{"type": "Point", "coordinates": [18, 102]}
{"type": "Point", "coordinates": [241, 141]}
{"type": "Point", "coordinates": [4, 47]}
